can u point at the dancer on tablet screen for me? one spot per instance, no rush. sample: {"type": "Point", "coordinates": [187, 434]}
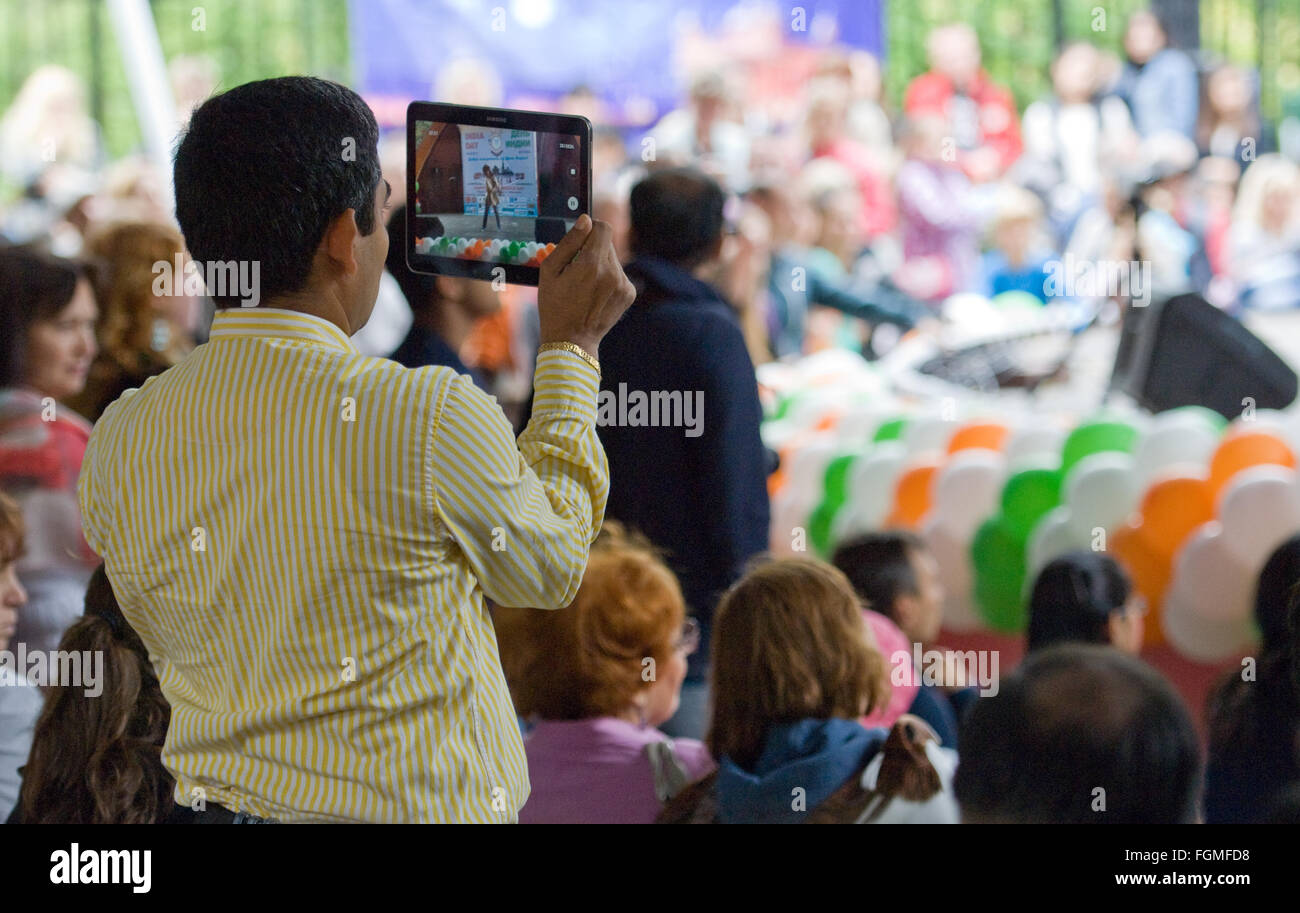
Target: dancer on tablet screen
{"type": "Point", "coordinates": [491, 197]}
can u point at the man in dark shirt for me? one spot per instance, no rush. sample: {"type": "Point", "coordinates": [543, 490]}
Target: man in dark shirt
{"type": "Point", "coordinates": [678, 412]}
{"type": "Point", "coordinates": [444, 308]}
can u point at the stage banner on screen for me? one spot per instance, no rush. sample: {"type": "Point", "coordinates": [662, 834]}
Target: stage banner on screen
{"type": "Point", "coordinates": [512, 157]}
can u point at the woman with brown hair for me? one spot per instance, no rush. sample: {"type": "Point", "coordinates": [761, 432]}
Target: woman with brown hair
{"type": "Point", "coordinates": [47, 343]}
{"type": "Point", "coordinates": [146, 325]}
{"type": "Point", "coordinates": [597, 678]}
{"type": "Point", "coordinates": [794, 667]}
{"type": "Point", "coordinates": [97, 759]}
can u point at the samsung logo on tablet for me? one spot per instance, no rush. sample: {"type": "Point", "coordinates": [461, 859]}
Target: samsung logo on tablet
{"type": "Point", "coordinates": [500, 119]}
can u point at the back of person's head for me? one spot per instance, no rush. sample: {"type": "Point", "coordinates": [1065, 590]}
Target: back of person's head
{"type": "Point", "coordinates": [789, 643]}
{"type": "Point", "coordinates": [96, 759]}
{"type": "Point", "coordinates": [264, 168]}
{"type": "Point", "coordinates": [1246, 713]}
{"type": "Point", "coordinates": [590, 659]}
{"type": "Point", "coordinates": [35, 286]}
{"type": "Point", "coordinates": [1080, 734]}
{"type": "Point", "coordinates": [1278, 585]}
{"type": "Point", "coordinates": [127, 253]}
{"type": "Point", "coordinates": [1074, 598]}
{"type": "Point", "coordinates": [676, 214]}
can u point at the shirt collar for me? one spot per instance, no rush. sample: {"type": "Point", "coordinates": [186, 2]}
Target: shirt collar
{"type": "Point", "coordinates": [280, 324]}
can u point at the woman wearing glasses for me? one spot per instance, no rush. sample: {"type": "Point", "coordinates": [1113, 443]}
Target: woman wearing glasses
{"type": "Point", "coordinates": [595, 680]}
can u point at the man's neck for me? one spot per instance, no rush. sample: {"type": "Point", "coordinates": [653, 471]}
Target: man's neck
{"type": "Point", "coordinates": [326, 306]}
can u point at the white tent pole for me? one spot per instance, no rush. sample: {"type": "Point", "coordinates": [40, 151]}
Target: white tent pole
{"type": "Point", "coordinates": [146, 75]}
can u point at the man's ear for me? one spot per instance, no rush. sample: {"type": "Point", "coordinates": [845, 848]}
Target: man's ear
{"type": "Point", "coordinates": [340, 237]}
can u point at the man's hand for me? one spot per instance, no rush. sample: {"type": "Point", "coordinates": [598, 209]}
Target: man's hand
{"type": "Point", "coordinates": [582, 290]}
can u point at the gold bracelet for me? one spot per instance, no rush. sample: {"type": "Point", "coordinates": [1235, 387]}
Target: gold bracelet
{"type": "Point", "coordinates": [570, 347]}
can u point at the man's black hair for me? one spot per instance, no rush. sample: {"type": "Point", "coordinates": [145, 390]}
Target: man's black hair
{"type": "Point", "coordinates": [263, 169]}
{"type": "Point", "coordinates": [879, 565]}
{"type": "Point", "coordinates": [1073, 598]}
{"type": "Point", "coordinates": [420, 289]}
{"type": "Point", "coordinates": [1080, 734]}
{"type": "Point", "coordinates": [676, 214]}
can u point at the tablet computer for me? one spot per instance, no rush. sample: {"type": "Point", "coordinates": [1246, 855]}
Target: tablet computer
{"type": "Point", "coordinates": [489, 191]}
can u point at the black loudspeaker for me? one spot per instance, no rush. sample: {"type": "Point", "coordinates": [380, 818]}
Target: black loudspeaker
{"type": "Point", "coordinates": [1186, 352]}
{"type": "Point", "coordinates": [549, 230]}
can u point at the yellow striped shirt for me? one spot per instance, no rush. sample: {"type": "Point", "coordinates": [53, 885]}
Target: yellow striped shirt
{"type": "Point", "coordinates": [303, 537]}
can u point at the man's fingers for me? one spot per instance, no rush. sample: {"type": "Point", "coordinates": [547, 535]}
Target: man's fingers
{"type": "Point", "coordinates": [570, 244]}
{"type": "Point", "coordinates": [597, 241]}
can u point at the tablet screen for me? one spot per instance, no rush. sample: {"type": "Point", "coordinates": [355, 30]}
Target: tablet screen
{"type": "Point", "coordinates": [486, 195]}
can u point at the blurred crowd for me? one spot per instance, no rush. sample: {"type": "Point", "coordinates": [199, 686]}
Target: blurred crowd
{"type": "Point", "coordinates": [835, 221]}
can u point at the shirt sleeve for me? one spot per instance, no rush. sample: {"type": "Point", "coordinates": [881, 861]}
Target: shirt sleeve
{"type": "Point", "coordinates": [524, 513]}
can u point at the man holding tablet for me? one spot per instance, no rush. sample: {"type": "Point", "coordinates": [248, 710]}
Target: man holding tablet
{"type": "Point", "coordinates": [303, 536]}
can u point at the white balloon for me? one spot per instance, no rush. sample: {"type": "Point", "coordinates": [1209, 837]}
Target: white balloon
{"type": "Point", "coordinates": [966, 491]}
{"type": "Point", "coordinates": [1054, 535]}
{"type": "Point", "coordinates": [1033, 441]}
{"type": "Point", "coordinates": [1198, 638]}
{"type": "Point", "coordinates": [1266, 420]}
{"type": "Point", "coordinates": [870, 490]}
{"type": "Point", "coordinates": [806, 474]}
{"type": "Point", "coordinates": [1102, 490]}
{"type": "Point", "coordinates": [953, 558]}
{"type": "Point", "coordinates": [1214, 583]}
{"type": "Point", "coordinates": [928, 434]}
{"type": "Point", "coordinates": [1181, 439]}
{"type": "Point", "coordinates": [1259, 510]}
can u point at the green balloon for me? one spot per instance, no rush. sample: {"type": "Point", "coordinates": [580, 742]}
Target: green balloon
{"type": "Point", "coordinates": [836, 479]}
{"type": "Point", "coordinates": [1096, 437]}
{"type": "Point", "coordinates": [836, 494]}
{"type": "Point", "coordinates": [891, 430]}
{"type": "Point", "coordinates": [998, 560]}
{"type": "Point", "coordinates": [1026, 497]}
{"type": "Point", "coordinates": [820, 522]}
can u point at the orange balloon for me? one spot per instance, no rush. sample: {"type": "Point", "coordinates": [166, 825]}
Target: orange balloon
{"type": "Point", "coordinates": [1171, 509]}
{"type": "Point", "coordinates": [1150, 573]}
{"type": "Point", "coordinates": [982, 435]}
{"type": "Point", "coordinates": [912, 496]}
{"type": "Point", "coordinates": [1243, 450]}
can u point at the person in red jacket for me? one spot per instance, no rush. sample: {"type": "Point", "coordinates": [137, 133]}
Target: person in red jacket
{"type": "Point", "coordinates": [981, 115]}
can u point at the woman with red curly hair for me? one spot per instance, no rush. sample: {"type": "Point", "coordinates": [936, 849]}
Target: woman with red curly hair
{"type": "Point", "coordinates": [596, 679]}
